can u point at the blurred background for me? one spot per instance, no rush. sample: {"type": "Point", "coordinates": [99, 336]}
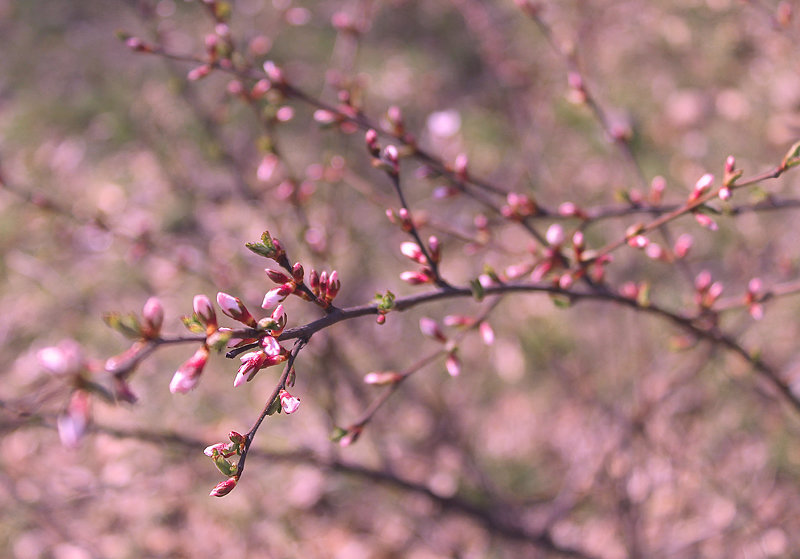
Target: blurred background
{"type": "Point", "coordinates": [592, 428]}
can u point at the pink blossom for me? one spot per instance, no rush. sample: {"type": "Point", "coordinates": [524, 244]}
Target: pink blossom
{"type": "Point", "coordinates": [188, 375]}
{"type": "Point", "coordinates": [288, 402]}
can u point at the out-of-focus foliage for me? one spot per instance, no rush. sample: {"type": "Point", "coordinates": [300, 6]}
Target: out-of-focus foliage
{"type": "Point", "coordinates": [125, 180]}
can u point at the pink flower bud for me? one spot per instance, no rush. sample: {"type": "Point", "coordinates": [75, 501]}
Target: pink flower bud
{"type": "Point", "coordinates": [198, 73]}
{"type": "Point", "coordinates": [657, 186]}
{"type": "Point", "coordinates": [218, 448]}
{"type": "Point", "coordinates": [234, 308]}
{"type": "Point", "coordinates": [65, 359]}
{"type": "Point", "coordinates": [415, 278]}
{"type": "Point", "coordinates": [73, 422]}
{"type": "Point", "coordinates": [412, 251]}
{"type": "Point", "coordinates": [754, 286]}
{"type": "Point", "coordinates": [223, 487]}
{"type": "Point", "coordinates": [277, 276]}
{"type": "Point", "coordinates": [274, 73]}
{"type": "Point", "coordinates": [381, 378]}
{"type": "Point", "coordinates": [702, 185]}
{"type": "Point", "coordinates": [458, 320]}
{"type": "Point", "coordinates": [682, 245]}
{"type": "Point", "coordinates": [288, 402]}
{"type": "Point", "coordinates": [204, 310]}
{"type": "Point", "coordinates": [435, 248]}
{"type": "Point", "coordinates": [460, 166]}
{"type": "Point", "coordinates": [638, 241]}
{"type": "Point", "coordinates": [486, 333]}
{"type": "Point", "coordinates": [654, 251]}
{"type": "Point", "coordinates": [555, 235]}
{"type": "Point", "coordinates": [260, 89]}
{"type": "Point", "coordinates": [730, 165]}
{"type": "Point", "coordinates": [453, 365]}
{"type": "Point", "coordinates": [188, 374]}
{"type": "Point", "coordinates": [266, 169]}
{"type": "Point", "coordinates": [351, 437]}
{"type": "Point", "coordinates": [703, 281]}
{"type": "Point", "coordinates": [371, 139]}
{"type": "Point", "coordinates": [568, 209]}
{"type": "Point", "coordinates": [276, 295]}
{"type": "Point", "coordinates": [706, 221]}
{"type": "Point", "coordinates": [430, 328]}
{"type": "Point", "coordinates": [153, 314]}
{"type": "Point", "coordinates": [565, 281]}
{"type": "Point", "coordinates": [725, 194]}
{"type": "Point", "coordinates": [391, 155]}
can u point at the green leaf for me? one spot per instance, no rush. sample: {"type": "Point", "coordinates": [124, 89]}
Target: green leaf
{"type": "Point", "coordinates": [477, 290]}
{"type": "Point", "coordinates": [338, 434]}
{"type": "Point", "coordinates": [127, 325]}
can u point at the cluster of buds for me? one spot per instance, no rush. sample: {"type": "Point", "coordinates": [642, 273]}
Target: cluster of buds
{"type": "Point", "coordinates": [269, 353]}
{"type": "Point", "coordinates": [707, 291]}
{"type": "Point", "coordinates": [753, 299]}
{"type": "Point", "coordinates": [220, 454]}
{"type": "Point", "coordinates": [461, 321]}
{"type": "Point", "coordinates": [415, 253]}
{"type": "Point", "coordinates": [324, 286]}
{"type": "Point", "coordinates": [552, 258]}
{"type": "Point", "coordinates": [66, 360]}
{"type": "Point", "coordinates": [518, 206]}
{"type": "Point", "coordinates": [430, 328]}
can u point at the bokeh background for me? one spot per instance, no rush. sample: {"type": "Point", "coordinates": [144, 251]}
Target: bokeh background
{"type": "Point", "coordinates": [591, 428]}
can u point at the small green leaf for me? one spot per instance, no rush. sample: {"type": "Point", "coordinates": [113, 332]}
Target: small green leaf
{"type": "Point", "coordinates": [477, 290]}
{"type": "Point", "coordinates": [792, 157]}
{"type": "Point", "coordinates": [275, 406]}
{"type": "Point", "coordinates": [127, 325]}
{"type": "Point", "coordinates": [225, 466]}
{"type": "Point", "coordinates": [338, 434]}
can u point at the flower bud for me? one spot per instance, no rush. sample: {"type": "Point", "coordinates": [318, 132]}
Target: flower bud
{"type": "Point", "coordinates": [153, 314]}
{"type": "Point", "coordinates": [430, 328]}
{"type": "Point", "coordinates": [188, 374]}
{"type": "Point", "coordinates": [73, 422]}
{"type": "Point", "coordinates": [555, 235]}
{"type": "Point", "coordinates": [204, 310]}
{"type": "Point", "coordinates": [453, 365]}
{"type": "Point", "coordinates": [65, 359]}
{"type": "Point", "coordinates": [381, 378]}
{"type": "Point", "coordinates": [223, 487]}
{"type": "Point", "coordinates": [234, 308]}
{"type": "Point", "coordinates": [412, 251]}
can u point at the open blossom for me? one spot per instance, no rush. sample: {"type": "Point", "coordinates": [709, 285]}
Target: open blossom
{"type": "Point", "coordinates": [188, 375]}
{"type": "Point", "coordinates": [271, 354]}
{"type": "Point", "coordinates": [289, 403]}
